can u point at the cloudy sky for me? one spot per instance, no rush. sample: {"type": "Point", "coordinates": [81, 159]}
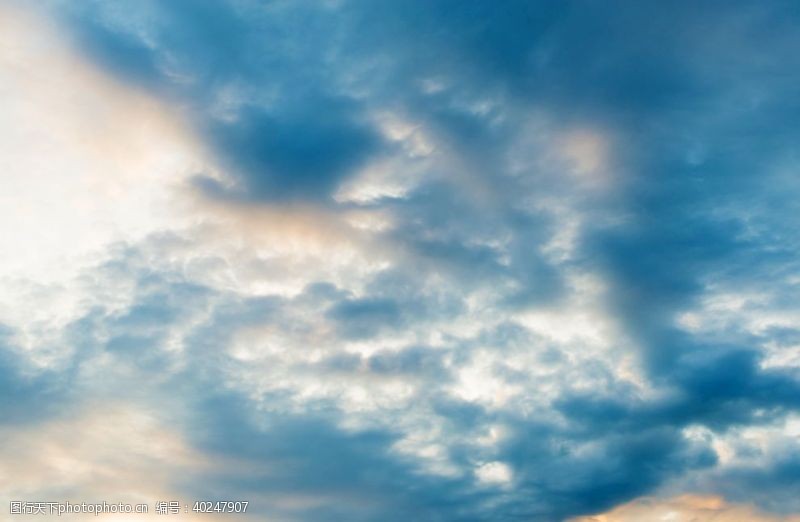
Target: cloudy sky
{"type": "Point", "coordinates": [426, 260]}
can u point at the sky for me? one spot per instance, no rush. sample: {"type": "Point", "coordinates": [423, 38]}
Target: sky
{"type": "Point", "coordinates": [424, 260]}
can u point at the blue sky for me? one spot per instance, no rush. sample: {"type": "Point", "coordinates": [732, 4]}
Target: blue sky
{"type": "Point", "coordinates": [388, 261]}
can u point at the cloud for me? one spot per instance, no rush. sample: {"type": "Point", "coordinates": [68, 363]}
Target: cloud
{"type": "Point", "coordinates": [421, 260]}
{"type": "Point", "coordinates": [690, 507]}
{"type": "Point", "coordinates": [110, 452]}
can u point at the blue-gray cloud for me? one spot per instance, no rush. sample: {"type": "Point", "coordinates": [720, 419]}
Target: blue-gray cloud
{"type": "Point", "coordinates": [696, 103]}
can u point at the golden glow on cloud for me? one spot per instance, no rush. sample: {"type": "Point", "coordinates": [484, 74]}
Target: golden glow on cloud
{"type": "Point", "coordinates": [587, 152]}
{"type": "Point", "coordinates": [280, 248]}
{"type": "Point", "coordinates": [106, 451]}
{"type": "Point", "coordinates": [112, 452]}
{"type": "Point", "coordinates": [687, 508]}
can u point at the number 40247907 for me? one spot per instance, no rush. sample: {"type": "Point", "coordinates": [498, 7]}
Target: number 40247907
{"type": "Point", "coordinates": [221, 507]}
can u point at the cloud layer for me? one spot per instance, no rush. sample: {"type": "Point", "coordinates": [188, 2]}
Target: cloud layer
{"type": "Point", "coordinates": [402, 261]}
